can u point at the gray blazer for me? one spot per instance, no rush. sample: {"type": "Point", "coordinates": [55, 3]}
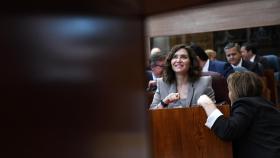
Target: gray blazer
{"type": "Point", "coordinates": [202, 86]}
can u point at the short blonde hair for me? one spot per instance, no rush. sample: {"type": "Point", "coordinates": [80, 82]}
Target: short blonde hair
{"type": "Point", "coordinates": [244, 84]}
{"type": "Point", "coordinates": [211, 53]}
{"type": "Point", "coordinates": [155, 51]}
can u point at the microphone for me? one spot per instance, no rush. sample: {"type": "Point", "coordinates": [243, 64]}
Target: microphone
{"type": "Point", "coordinates": [192, 95]}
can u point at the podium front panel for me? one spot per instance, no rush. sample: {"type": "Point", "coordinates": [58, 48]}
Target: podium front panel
{"type": "Point", "coordinates": [181, 133]}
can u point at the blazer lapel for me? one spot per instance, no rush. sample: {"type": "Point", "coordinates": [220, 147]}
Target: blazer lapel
{"type": "Point", "coordinates": [212, 66]}
{"type": "Point", "coordinates": [190, 94]}
{"type": "Point", "coordinates": [172, 88]}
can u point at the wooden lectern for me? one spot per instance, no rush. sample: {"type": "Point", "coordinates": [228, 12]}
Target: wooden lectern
{"type": "Point", "coordinates": [181, 133]}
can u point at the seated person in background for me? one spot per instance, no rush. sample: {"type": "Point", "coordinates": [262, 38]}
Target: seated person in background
{"type": "Point", "coordinates": [157, 62]}
{"type": "Point", "coordinates": [211, 54]}
{"type": "Point", "coordinates": [182, 83]}
{"type": "Point", "coordinates": [221, 67]}
{"type": "Point", "coordinates": [233, 55]}
{"type": "Point", "coordinates": [249, 53]}
{"type": "Point", "coordinates": [254, 123]}
{"type": "Point", "coordinates": [155, 51]}
{"type": "Point", "coordinates": [219, 85]}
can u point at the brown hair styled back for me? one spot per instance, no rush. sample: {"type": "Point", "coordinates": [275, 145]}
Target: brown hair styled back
{"type": "Point", "coordinates": [244, 84]}
{"type": "Point", "coordinates": [194, 71]}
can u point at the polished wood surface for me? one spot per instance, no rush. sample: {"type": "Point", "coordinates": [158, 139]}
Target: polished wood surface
{"type": "Point", "coordinates": [112, 7]}
{"type": "Point", "coordinates": [159, 6]}
{"type": "Point", "coordinates": [181, 133]}
{"type": "Point", "coordinates": [68, 89]}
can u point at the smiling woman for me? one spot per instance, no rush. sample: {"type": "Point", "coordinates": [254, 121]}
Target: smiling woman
{"type": "Point", "coordinates": [181, 84]}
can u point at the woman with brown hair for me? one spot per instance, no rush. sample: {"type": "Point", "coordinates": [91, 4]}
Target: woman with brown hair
{"type": "Point", "coordinates": [182, 83]}
{"type": "Point", "coordinates": [254, 123]}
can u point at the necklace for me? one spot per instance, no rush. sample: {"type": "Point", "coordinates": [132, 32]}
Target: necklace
{"type": "Point", "coordinates": [183, 90]}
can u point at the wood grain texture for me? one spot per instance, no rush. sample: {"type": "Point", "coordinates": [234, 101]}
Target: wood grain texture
{"type": "Point", "coordinates": [214, 17]}
{"type": "Point", "coordinates": [159, 6]}
{"type": "Point", "coordinates": [182, 133]}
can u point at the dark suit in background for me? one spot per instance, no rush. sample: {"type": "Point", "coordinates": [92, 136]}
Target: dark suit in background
{"type": "Point", "coordinates": [215, 66]}
{"type": "Point", "coordinates": [262, 60]}
{"type": "Point", "coordinates": [149, 75]}
{"type": "Point", "coordinates": [254, 67]}
{"type": "Point", "coordinates": [219, 85]}
{"type": "Point", "coordinates": [221, 67]}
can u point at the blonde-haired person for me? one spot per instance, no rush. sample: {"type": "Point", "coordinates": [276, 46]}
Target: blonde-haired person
{"type": "Point", "coordinates": [254, 123]}
{"type": "Point", "coordinates": [182, 83]}
{"type": "Point", "coordinates": [211, 54]}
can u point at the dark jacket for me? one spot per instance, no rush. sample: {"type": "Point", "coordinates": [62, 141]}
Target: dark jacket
{"type": "Point", "coordinates": [254, 67]}
{"type": "Point", "coordinates": [149, 75]}
{"type": "Point", "coordinates": [221, 67]}
{"type": "Point", "coordinates": [262, 60]}
{"type": "Point", "coordinates": [254, 128]}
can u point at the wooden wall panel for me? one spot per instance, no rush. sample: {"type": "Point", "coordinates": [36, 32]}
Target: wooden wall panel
{"type": "Point", "coordinates": [214, 17]}
{"type": "Point", "coordinates": [157, 6]}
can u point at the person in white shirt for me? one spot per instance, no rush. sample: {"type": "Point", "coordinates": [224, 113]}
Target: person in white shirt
{"type": "Point", "coordinates": [221, 67]}
{"type": "Point", "coordinates": [157, 64]}
{"type": "Point", "coordinates": [249, 52]}
{"type": "Point", "coordinates": [234, 57]}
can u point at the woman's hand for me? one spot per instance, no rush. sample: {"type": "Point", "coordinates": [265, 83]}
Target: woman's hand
{"type": "Point", "coordinates": [207, 104]}
{"type": "Point", "coordinates": [172, 97]}
{"type": "Point", "coordinates": [168, 99]}
{"type": "Point", "coordinates": [204, 100]}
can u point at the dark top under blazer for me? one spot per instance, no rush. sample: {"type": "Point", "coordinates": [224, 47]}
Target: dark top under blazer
{"type": "Point", "coordinates": [254, 128]}
{"type": "Point", "coordinates": [221, 67]}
